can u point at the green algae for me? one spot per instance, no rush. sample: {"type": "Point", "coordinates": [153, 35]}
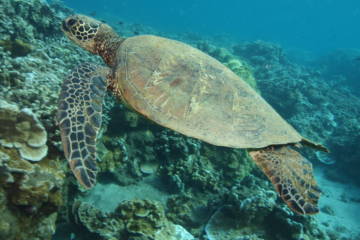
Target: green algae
{"type": "Point", "coordinates": [17, 47]}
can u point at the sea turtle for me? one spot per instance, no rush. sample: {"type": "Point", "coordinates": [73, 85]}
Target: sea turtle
{"type": "Point", "coordinates": [184, 89]}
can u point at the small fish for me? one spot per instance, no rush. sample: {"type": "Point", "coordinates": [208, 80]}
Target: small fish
{"type": "Point", "coordinates": [93, 13]}
{"type": "Point", "coordinates": [136, 32]}
{"type": "Point", "coordinates": [103, 21]}
{"type": "Point", "coordinates": [120, 22]}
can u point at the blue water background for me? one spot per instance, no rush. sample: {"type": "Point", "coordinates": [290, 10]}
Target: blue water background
{"type": "Point", "coordinates": [312, 25]}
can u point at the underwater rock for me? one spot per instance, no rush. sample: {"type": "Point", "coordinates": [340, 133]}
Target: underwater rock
{"type": "Point", "coordinates": [30, 192]}
{"type": "Point", "coordinates": [142, 218]}
{"type": "Point", "coordinates": [342, 63]}
{"type": "Point", "coordinates": [21, 129]}
{"type": "Point", "coordinates": [30, 196]}
{"type": "Point", "coordinates": [248, 221]}
{"type": "Point", "coordinates": [137, 219]}
{"type": "Point", "coordinates": [199, 175]}
{"type": "Point", "coordinates": [110, 154]}
{"type": "Point", "coordinates": [255, 209]}
{"type": "Point", "coordinates": [180, 233]}
{"type": "Point", "coordinates": [60, 9]}
{"type": "Point", "coordinates": [192, 211]}
{"type": "Point", "coordinates": [30, 19]}
{"type": "Point", "coordinates": [127, 160]}
{"type": "Point", "coordinates": [252, 210]}
{"type": "Point", "coordinates": [17, 48]}
{"type": "Point", "coordinates": [5, 173]}
{"type": "Point", "coordinates": [132, 118]}
{"type": "Point", "coordinates": [98, 222]}
{"type": "Point", "coordinates": [261, 53]}
{"type": "Point", "coordinates": [223, 225]}
{"type": "Point", "coordinates": [33, 80]}
{"type": "Point", "coordinates": [199, 166]}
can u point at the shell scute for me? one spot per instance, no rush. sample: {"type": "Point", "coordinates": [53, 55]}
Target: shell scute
{"type": "Point", "coordinates": [184, 89]}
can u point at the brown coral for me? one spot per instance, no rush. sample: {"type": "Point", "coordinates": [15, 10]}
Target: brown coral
{"type": "Point", "coordinates": [136, 219]}
{"type": "Point", "coordinates": [30, 195]}
{"type": "Point", "coordinates": [21, 129]}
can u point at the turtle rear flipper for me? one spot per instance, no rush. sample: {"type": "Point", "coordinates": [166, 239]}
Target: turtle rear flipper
{"type": "Point", "coordinates": [292, 176]}
{"type": "Point", "coordinates": [79, 118]}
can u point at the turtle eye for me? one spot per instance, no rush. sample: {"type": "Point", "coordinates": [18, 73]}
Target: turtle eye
{"type": "Point", "coordinates": [71, 22]}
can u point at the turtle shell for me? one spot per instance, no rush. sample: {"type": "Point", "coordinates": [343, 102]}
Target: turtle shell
{"type": "Point", "coordinates": [186, 90]}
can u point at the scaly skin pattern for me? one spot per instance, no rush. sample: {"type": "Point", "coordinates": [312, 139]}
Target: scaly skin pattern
{"type": "Point", "coordinates": [292, 176]}
{"type": "Point", "coordinates": [79, 119]}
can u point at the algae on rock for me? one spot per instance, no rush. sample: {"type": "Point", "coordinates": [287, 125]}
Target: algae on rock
{"type": "Point", "coordinates": [137, 219]}
{"type": "Point", "coordinates": [29, 20]}
{"type": "Point", "coordinates": [30, 196]}
{"type": "Point", "coordinates": [16, 47]}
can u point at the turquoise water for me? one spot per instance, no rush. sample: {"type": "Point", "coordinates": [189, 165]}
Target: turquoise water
{"type": "Point", "coordinates": [315, 26]}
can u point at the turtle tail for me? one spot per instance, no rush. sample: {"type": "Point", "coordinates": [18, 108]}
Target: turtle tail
{"type": "Point", "coordinates": [292, 176]}
{"type": "Point", "coordinates": [79, 119]}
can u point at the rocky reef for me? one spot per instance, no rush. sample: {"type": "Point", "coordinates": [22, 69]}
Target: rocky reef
{"type": "Point", "coordinates": [32, 170]}
{"type": "Point", "coordinates": [167, 186]}
{"type": "Point", "coordinates": [137, 219]}
{"type": "Point", "coordinates": [341, 68]}
{"type": "Point", "coordinates": [30, 195]}
{"type": "Point", "coordinates": [22, 130]}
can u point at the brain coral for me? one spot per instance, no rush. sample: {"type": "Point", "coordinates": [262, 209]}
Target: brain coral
{"type": "Point", "coordinates": [21, 129]}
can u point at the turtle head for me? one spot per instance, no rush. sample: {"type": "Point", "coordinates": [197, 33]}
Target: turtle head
{"type": "Point", "coordinates": [92, 35]}
{"type": "Point", "coordinates": [83, 30]}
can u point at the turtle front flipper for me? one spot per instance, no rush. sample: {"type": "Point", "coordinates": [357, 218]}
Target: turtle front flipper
{"type": "Point", "coordinates": [292, 176]}
{"type": "Point", "coordinates": [79, 119]}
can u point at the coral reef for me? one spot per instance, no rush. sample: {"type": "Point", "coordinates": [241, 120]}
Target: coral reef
{"type": "Point", "coordinates": [22, 130]}
{"type": "Point", "coordinates": [30, 72]}
{"type": "Point", "coordinates": [341, 68]}
{"type": "Point", "coordinates": [32, 78]}
{"type": "Point", "coordinates": [258, 216]}
{"type": "Point", "coordinates": [17, 48]}
{"type": "Point", "coordinates": [138, 219]}
{"type": "Point", "coordinates": [30, 20]}
{"type": "Point", "coordinates": [30, 196]}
